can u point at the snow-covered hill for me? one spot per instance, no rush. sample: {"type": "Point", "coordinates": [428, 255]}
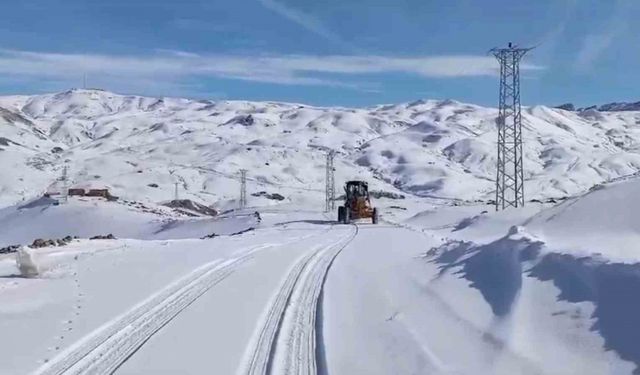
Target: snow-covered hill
{"type": "Point", "coordinates": [438, 286]}
{"type": "Point", "coordinates": [140, 147]}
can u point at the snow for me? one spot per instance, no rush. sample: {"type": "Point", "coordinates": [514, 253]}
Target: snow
{"type": "Point", "coordinates": [444, 284]}
{"type": "Point", "coordinates": [88, 217]}
{"type": "Point", "coordinates": [430, 148]}
{"type": "Point", "coordinates": [527, 314]}
{"type": "Point", "coordinates": [564, 277]}
{"type": "Point", "coordinates": [602, 221]}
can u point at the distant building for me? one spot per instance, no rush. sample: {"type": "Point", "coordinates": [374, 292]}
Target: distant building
{"type": "Point", "coordinates": [76, 192]}
{"type": "Point", "coordinates": [102, 193]}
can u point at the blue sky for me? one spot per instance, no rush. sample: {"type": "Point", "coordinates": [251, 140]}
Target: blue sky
{"type": "Point", "coordinates": [323, 52]}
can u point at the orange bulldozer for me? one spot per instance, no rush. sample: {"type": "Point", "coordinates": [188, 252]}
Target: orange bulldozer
{"type": "Point", "coordinates": [357, 204]}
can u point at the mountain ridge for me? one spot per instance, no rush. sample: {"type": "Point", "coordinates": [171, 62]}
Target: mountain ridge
{"type": "Point", "coordinates": [426, 148]}
{"type": "Point", "coordinates": [609, 107]}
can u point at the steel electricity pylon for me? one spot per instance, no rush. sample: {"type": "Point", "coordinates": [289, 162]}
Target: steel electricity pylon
{"type": "Point", "coordinates": [243, 188]}
{"type": "Point", "coordinates": [64, 179]}
{"type": "Point", "coordinates": [330, 188]}
{"type": "Point", "coordinates": [510, 175]}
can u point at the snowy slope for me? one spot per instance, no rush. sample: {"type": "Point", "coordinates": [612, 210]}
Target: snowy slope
{"type": "Point", "coordinates": [88, 217]}
{"type": "Point", "coordinates": [566, 274]}
{"type": "Point", "coordinates": [604, 221]}
{"type": "Point", "coordinates": [429, 148]}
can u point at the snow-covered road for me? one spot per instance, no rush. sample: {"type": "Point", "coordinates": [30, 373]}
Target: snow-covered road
{"type": "Point", "coordinates": [297, 295]}
{"type": "Point", "coordinates": [262, 319]}
{"type": "Point", "coordinates": [259, 306]}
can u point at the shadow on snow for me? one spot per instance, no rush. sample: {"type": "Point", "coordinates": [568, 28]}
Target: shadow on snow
{"type": "Point", "coordinates": [496, 271]}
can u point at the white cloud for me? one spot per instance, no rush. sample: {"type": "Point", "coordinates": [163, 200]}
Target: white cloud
{"type": "Point", "coordinates": [180, 69]}
{"type": "Point", "coordinates": [307, 22]}
{"type": "Point", "coordinates": [427, 66]}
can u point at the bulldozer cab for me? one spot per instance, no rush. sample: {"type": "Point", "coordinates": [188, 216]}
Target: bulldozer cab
{"type": "Point", "coordinates": [357, 189]}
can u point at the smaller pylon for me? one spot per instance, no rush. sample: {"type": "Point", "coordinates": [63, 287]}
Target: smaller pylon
{"type": "Point", "coordinates": [176, 196]}
{"type": "Point", "coordinates": [330, 188]}
{"type": "Point", "coordinates": [64, 185]}
{"type": "Point", "coordinates": [243, 188]}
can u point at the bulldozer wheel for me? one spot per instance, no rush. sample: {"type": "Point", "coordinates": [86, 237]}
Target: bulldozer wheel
{"type": "Point", "coordinates": [341, 214]}
{"type": "Point", "coordinates": [347, 214]}
{"type": "Point", "coordinates": [374, 216]}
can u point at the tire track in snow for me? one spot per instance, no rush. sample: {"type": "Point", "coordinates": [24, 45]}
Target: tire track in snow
{"type": "Point", "coordinates": [108, 347]}
{"type": "Point", "coordinates": [258, 364]}
{"type": "Point", "coordinates": [286, 339]}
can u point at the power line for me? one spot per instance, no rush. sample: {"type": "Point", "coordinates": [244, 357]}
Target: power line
{"type": "Point", "coordinates": [261, 182]}
{"type": "Point", "coordinates": [330, 188]}
{"type": "Point", "coordinates": [510, 170]}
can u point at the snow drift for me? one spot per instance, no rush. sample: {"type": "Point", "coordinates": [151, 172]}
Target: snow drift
{"type": "Point", "coordinates": [586, 248]}
{"type": "Point", "coordinates": [605, 220]}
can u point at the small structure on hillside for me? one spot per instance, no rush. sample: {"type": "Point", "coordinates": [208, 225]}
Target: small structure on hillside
{"type": "Point", "coordinates": [102, 193]}
{"type": "Point", "coordinates": [76, 192]}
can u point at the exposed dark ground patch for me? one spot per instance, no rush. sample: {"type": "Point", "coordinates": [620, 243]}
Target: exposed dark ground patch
{"type": "Point", "coordinates": [466, 222]}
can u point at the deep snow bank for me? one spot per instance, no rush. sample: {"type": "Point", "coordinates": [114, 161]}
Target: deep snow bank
{"type": "Point", "coordinates": [579, 258]}
{"type": "Point", "coordinates": [605, 221]}
{"type": "Point", "coordinates": [597, 298]}
{"type": "Point", "coordinates": [89, 217]}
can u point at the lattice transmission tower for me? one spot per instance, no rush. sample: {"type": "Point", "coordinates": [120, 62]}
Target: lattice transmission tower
{"type": "Point", "coordinates": [64, 179]}
{"type": "Point", "coordinates": [510, 175]}
{"type": "Point", "coordinates": [243, 188]}
{"type": "Point", "coordinates": [330, 188]}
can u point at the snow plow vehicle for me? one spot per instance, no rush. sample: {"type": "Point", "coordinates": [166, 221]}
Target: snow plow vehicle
{"type": "Point", "coordinates": [357, 204]}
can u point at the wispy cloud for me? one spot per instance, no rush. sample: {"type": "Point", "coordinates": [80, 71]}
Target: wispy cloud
{"type": "Point", "coordinates": [179, 69]}
{"type": "Point", "coordinates": [549, 41]}
{"type": "Point", "coordinates": [308, 22]}
{"type": "Point", "coordinates": [596, 44]}
{"type": "Point", "coordinates": [425, 66]}
{"type": "Point", "coordinates": [593, 47]}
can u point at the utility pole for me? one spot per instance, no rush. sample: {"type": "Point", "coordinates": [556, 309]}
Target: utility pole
{"type": "Point", "coordinates": [243, 188]}
{"type": "Point", "coordinates": [175, 193]}
{"type": "Point", "coordinates": [330, 188]}
{"type": "Point", "coordinates": [65, 187]}
{"type": "Point", "coordinates": [510, 174]}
